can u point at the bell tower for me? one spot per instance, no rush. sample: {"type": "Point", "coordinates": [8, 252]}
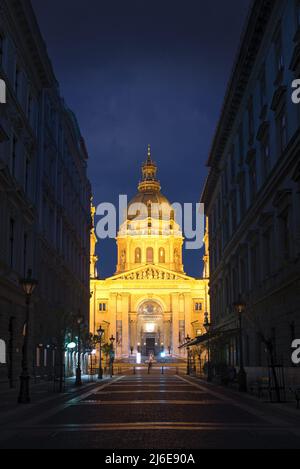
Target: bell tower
{"type": "Point", "coordinates": [93, 242]}
{"type": "Point", "coordinates": [150, 235]}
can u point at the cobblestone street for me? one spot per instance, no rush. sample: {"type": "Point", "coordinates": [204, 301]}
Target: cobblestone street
{"type": "Point", "coordinates": [153, 412]}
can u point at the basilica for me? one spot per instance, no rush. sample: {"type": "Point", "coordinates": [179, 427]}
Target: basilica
{"type": "Point", "coordinates": [150, 305]}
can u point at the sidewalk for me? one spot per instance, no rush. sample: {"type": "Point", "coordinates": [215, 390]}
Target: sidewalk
{"type": "Point", "coordinates": [40, 394]}
{"type": "Point", "coordinates": [286, 409]}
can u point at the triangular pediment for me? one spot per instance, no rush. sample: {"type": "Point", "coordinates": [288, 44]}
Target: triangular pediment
{"type": "Point", "coordinates": [150, 272]}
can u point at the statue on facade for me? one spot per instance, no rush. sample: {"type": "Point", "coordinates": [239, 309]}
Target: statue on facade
{"type": "Point", "coordinates": [123, 259]}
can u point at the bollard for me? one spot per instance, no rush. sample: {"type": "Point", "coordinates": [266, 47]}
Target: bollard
{"type": "Point", "coordinates": [162, 370]}
{"type": "Point", "coordinates": [134, 370]}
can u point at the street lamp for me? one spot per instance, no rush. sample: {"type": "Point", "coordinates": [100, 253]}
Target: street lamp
{"type": "Point", "coordinates": [112, 355]}
{"type": "Point", "coordinates": [242, 376]}
{"type": "Point", "coordinates": [78, 381]}
{"type": "Point", "coordinates": [28, 284]}
{"type": "Point", "coordinates": [207, 326]}
{"type": "Point", "coordinates": [100, 332]}
{"type": "Point", "coordinates": [188, 339]}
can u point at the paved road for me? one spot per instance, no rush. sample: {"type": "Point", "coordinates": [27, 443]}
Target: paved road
{"type": "Point", "coordinates": [155, 412]}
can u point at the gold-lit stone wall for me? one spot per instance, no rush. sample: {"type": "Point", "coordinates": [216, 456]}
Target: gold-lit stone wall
{"type": "Point", "coordinates": [149, 304]}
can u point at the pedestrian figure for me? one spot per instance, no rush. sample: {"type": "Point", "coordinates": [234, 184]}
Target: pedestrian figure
{"type": "Point", "coordinates": [150, 362]}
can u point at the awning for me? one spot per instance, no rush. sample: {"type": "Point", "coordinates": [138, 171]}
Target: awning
{"type": "Point", "coordinates": [196, 341]}
{"type": "Point", "coordinates": [211, 336]}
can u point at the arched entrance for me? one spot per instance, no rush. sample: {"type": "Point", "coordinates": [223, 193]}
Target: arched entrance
{"type": "Point", "coordinates": [150, 328]}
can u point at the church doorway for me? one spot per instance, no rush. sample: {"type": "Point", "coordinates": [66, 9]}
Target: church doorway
{"type": "Point", "coordinates": [150, 328]}
{"type": "Point", "coordinates": [150, 346]}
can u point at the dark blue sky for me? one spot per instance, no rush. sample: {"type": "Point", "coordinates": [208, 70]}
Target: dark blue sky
{"type": "Point", "coordinates": [138, 72]}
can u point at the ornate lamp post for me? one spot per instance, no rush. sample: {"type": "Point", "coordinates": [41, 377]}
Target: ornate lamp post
{"type": "Point", "coordinates": [28, 285]}
{"type": "Point", "coordinates": [242, 376]}
{"type": "Point", "coordinates": [207, 326]}
{"type": "Point", "coordinates": [188, 371]}
{"type": "Point", "coordinates": [100, 332]}
{"type": "Point", "coordinates": [78, 381]}
{"type": "Point", "coordinates": [112, 355]}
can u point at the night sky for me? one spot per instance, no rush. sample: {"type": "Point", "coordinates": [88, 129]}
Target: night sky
{"type": "Point", "coordinates": [138, 72]}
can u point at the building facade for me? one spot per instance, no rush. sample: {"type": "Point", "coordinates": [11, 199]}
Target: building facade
{"type": "Point", "coordinates": [44, 197]}
{"type": "Point", "coordinates": [149, 304]}
{"type": "Point", "coordinates": [252, 195]}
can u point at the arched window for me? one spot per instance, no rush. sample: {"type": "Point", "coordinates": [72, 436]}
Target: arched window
{"type": "Point", "coordinates": [149, 255]}
{"type": "Point", "coordinates": [2, 352]}
{"type": "Point", "coordinates": [162, 255]}
{"type": "Point", "coordinates": [138, 256]}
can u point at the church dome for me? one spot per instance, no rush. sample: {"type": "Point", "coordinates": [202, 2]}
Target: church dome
{"type": "Point", "coordinates": [149, 202]}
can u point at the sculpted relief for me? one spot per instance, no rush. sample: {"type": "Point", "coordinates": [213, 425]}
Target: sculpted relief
{"type": "Point", "coordinates": [150, 273]}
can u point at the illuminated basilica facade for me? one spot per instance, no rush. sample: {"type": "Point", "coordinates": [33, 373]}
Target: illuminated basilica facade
{"type": "Point", "coordinates": [150, 304]}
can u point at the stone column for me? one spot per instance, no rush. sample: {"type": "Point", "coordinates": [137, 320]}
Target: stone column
{"type": "Point", "coordinates": [132, 334]}
{"type": "Point", "coordinates": [125, 325]}
{"type": "Point", "coordinates": [175, 324]}
{"type": "Point", "coordinates": [113, 316]}
{"type": "Point", "coordinates": [188, 315]}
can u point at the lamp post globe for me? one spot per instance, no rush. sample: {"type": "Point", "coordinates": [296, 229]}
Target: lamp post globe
{"type": "Point", "coordinates": [28, 284]}
{"type": "Point", "coordinates": [100, 333]}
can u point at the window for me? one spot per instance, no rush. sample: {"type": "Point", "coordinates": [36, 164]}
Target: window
{"type": "Point", "coordinates": [263, 87]}
{"type": "Point", "coordinates": [102, 307]}
{"type": "Point", "coordinates": [244, 273]}
{"type": "Point", "coordinates": [25, 239]}
{"type": "Point", "coordinates": [27, 174]}
{"type": "Point", "coordinates": [138, 256]}
{"type": "Point", "coordinates": [267, 250]}
{"type": "Point", "coordinates": [232, 167]}
{"type": "Point", "coordinates": [225, 227]}
{"type": "Point", "coordinates": [274, 342]}
{"type": "Point", "coordinates": [282, 131]}
{"type": "Point", "coordinates": [29, 107]}
{"type": "Point", "coordinates": [14, 155]}
{"type": "Point", "coordinates": [162, 255]}
{"type": "Point", "coordinates": [235, 284]}
{"type": "Point", "coordinates": [11, 242]}
{"type": "Point", "coordinates": [265, 156]}
{"type": "Point", "coordinates": [17, 80]}
{"type": "Point", "coordinates": [285, 234]}
{"type": "Point", "coordinates": [250, 120]}
{"type": "Point", "coordinates": [292, 331]}
{"type": "Point", "coordinates": [2, 352]}
{"type": "Point", "coordinates": [254, 266]}
{"type": "Point", "coordinates": [198, 306]}
{"type": "Point", "coordinates": [1, 49]}
{"type": "Point", "coordinates": [298, 13]}
{"type": "Point", "coordinates": [224, 183]}
{"type": "Point", "coordinates": [233, 212]}
{"type": "Point", "coordinates": [242, 198]}
{"type": "Point", "coordinates": [252, 180]}
{"type": "Point", "coordinates": [149, 255]}
{"type": "Point", "coordinates": [241, 144]}
{"type": "Point", "coordinates": [279, 61]}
